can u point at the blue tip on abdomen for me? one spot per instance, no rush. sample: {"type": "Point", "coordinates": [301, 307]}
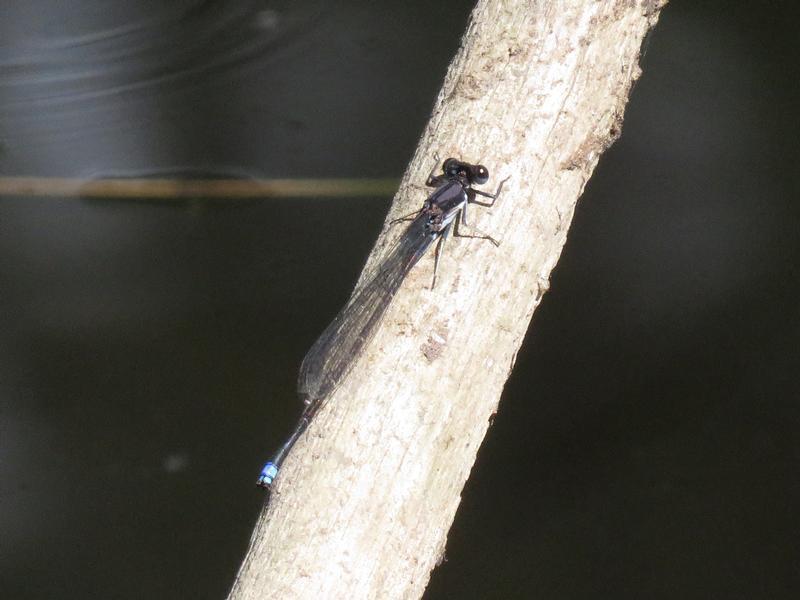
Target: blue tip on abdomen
{"type": "Point", "coordinates": [268, 475]}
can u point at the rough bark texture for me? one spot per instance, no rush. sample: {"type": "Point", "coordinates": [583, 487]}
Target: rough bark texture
{"type": "Point", "coordinates": [364, 502]}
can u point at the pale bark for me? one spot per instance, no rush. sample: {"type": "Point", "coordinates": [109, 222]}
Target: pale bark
{"type": "Point", "coordinates": [363, 504]}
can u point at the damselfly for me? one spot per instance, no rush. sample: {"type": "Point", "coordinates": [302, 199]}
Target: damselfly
{"type": "Point", "coordinates": [337, 350]}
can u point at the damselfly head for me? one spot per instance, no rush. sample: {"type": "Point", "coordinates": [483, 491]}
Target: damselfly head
{"type": "Point", "coordinates": [477, 174]}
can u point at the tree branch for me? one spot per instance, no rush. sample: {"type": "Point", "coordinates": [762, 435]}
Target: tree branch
{"type": "Point", "coordinates": [365, 500]}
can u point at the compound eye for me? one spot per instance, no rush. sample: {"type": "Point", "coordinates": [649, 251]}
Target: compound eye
{"type": "Point", "coordinates": [451, 167]}
{"type": "Point", "coordinates": [480, 174]}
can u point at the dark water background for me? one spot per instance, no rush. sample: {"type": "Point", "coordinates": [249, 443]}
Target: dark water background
{"type": "Point", "coordinates": [647, 442]}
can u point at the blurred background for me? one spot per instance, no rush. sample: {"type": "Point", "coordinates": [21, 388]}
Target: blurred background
{"type": "Point", "coordinates": [646, 444]}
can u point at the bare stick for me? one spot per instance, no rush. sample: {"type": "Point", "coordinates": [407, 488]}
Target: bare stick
{"type": "Point", "coordinates": [364, 502]}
